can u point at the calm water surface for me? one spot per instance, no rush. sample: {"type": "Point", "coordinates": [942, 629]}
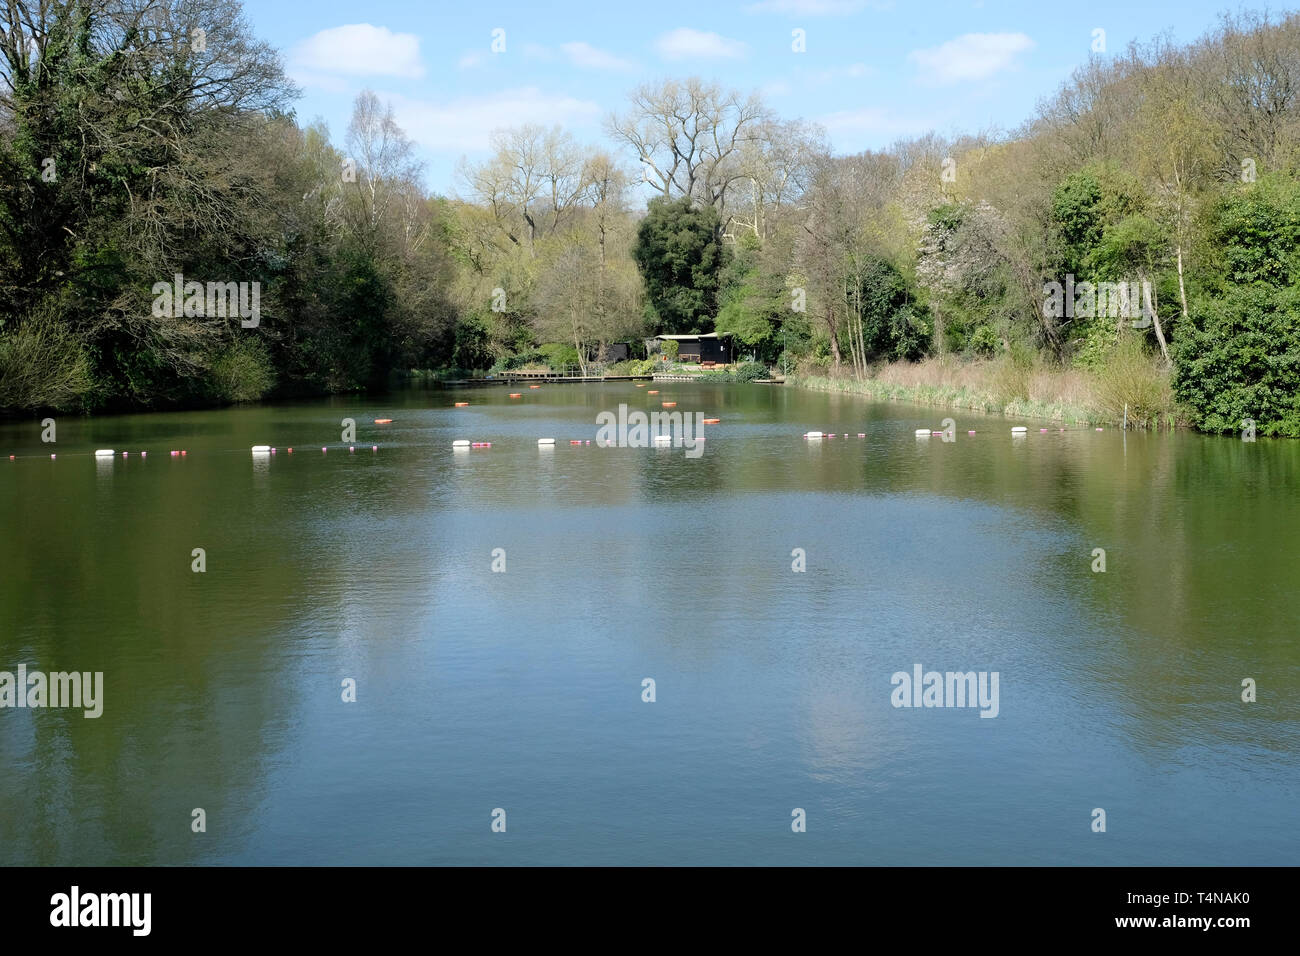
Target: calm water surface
{"type": "Point", "coordinates": [522, 690]}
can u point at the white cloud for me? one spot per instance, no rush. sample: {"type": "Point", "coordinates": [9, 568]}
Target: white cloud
{"type": "Point", "coordinates": [470, 60]}
{"type": "Point", "coordinates": [466, 124]}
{"type": "Point", "coordinates": [587, 56]}
{"type": "Point", "coordinates": [972, 56]}
{"type": "Point", "coordinates": [358, 49]}
{"type": "Point", "coordinates": [684, 43]}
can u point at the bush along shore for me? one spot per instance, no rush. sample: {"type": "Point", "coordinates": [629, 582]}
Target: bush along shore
{"type": "Point", "coordinates": [1001, 387]}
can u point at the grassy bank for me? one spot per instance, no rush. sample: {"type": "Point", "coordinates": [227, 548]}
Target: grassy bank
{"type": "Point", "coordinates": [1006, 388]}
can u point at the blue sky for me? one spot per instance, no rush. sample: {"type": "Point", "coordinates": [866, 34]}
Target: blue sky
{"type": "Point", "coordinates": [873, 70]}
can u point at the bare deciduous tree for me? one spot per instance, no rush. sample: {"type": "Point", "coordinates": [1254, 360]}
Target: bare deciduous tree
{"type": "Point", "coordinates": [690, 137]}
{"type": "Point", "coordinates": [386, 171]}
{"type": "Point", "coordinates": [532, 182]}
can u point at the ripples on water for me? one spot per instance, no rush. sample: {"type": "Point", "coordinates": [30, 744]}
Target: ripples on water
{"type": "Point", "coordinates": [522, 690]}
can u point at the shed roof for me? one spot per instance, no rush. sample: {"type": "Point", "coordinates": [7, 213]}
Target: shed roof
{"type": "Point", "coordinates": [692, 338]}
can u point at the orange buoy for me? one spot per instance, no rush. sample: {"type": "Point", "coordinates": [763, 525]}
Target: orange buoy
{"type": "Point", "coordinates": [653, 391]}
{"type": "Point", "coordinates": [712, 421]}
{"type": "Point", "coordinates": [383, 421]}
{"type": "Point", "coordinates": [516, 394]}
{"type": "Point", "coordinates": [534, 386]}
{"type": "Point", "coordinates": [669, 404]}
{"type": "Point", "coordinates": [461, 404]}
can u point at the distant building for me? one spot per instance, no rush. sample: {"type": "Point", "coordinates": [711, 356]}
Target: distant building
{"type": "Point", "coordinates": [696, 348]}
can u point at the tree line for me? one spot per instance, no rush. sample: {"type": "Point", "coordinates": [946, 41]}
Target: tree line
{"type": "Point", "coordinates": [146, 139]}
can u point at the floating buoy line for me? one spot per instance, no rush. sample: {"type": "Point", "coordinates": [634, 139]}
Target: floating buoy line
{"type": "Point", "coordinates": [260, 451]}
{"type": "Point", "coordinates": [107, 454]}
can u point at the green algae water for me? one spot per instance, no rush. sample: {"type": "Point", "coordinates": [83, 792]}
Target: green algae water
{"type": "Point", "coordinates": [523, 689]}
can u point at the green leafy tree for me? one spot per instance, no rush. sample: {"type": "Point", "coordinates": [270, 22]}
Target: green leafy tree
{"type": "Point", "coordinates": [1238, 356]}
{"type": "Point", "coordinates": [753, 301]}
{"type": "Point", "coordinates": [680, 257]}
{"type": "Point", "coordinates": [1240, 359]}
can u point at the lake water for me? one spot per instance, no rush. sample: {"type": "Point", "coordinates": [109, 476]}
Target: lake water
{"type": "Point", "coordinates": [522, 690]}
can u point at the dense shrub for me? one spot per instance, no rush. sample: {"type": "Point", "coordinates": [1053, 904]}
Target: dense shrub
{"type": "Point", "coordinates": [472, 344]}
{"type": "Point", "coordinates": [1239, 358]}
{"type": "Point", "coordinates": [910, 331]}
{"type": "Point", "coordinates": [43, 365]}
{"type": "Point", "coordinates": [242, 372]}
{"type": "Point", "coordinates": [632, 367]}
{"type": "Point", "coordinates": [1255, 233]}
{"type": "Point", "coordinates": [749, 371]}
{"type": "Point", "coordinates": [1132, 378]}
{"type": "Point", "coordinates": [558, 355]}
{"type": "Point", "coordinates": [984, 342]}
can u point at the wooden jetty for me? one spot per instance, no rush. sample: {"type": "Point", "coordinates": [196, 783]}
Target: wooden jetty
{"type": "Point", "coordinates": [549, 377]}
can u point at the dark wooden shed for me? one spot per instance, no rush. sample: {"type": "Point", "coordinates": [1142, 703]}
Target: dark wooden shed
{"type": "Point", "coordinates": [710, 347]}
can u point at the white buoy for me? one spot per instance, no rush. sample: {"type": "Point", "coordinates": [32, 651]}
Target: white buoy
{"type": "Point", "coordinates": [663, 439]}
{"type": "Point", "coordinates": [103, 453]}
{"type": "Point", "coordinates": [923, 433]}
{"type": "Point", "coordinates": [546, 441]}
{"type": "Point", "coordinates": [261, 449]}
{"type": "Point", "coordinates": [460, 443]}
{"type": "Point", "coordinates": [1019, 430]}
{"type": "Point", "coordinates": [812, 434]}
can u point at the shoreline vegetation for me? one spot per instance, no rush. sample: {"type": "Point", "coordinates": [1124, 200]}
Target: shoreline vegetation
{"type": "Point", "coordinates": [1134, 242]}
{"type": "Point", "coordinates": [999, 387]}
{"type": "Point", "coordinates": [950, 396]}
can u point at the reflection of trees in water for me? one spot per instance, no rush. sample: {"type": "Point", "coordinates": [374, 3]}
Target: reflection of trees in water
{"type": "Point", "coordinates": [1194, 595]}
{"type": "Point", "coordinates": [199, 686]}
